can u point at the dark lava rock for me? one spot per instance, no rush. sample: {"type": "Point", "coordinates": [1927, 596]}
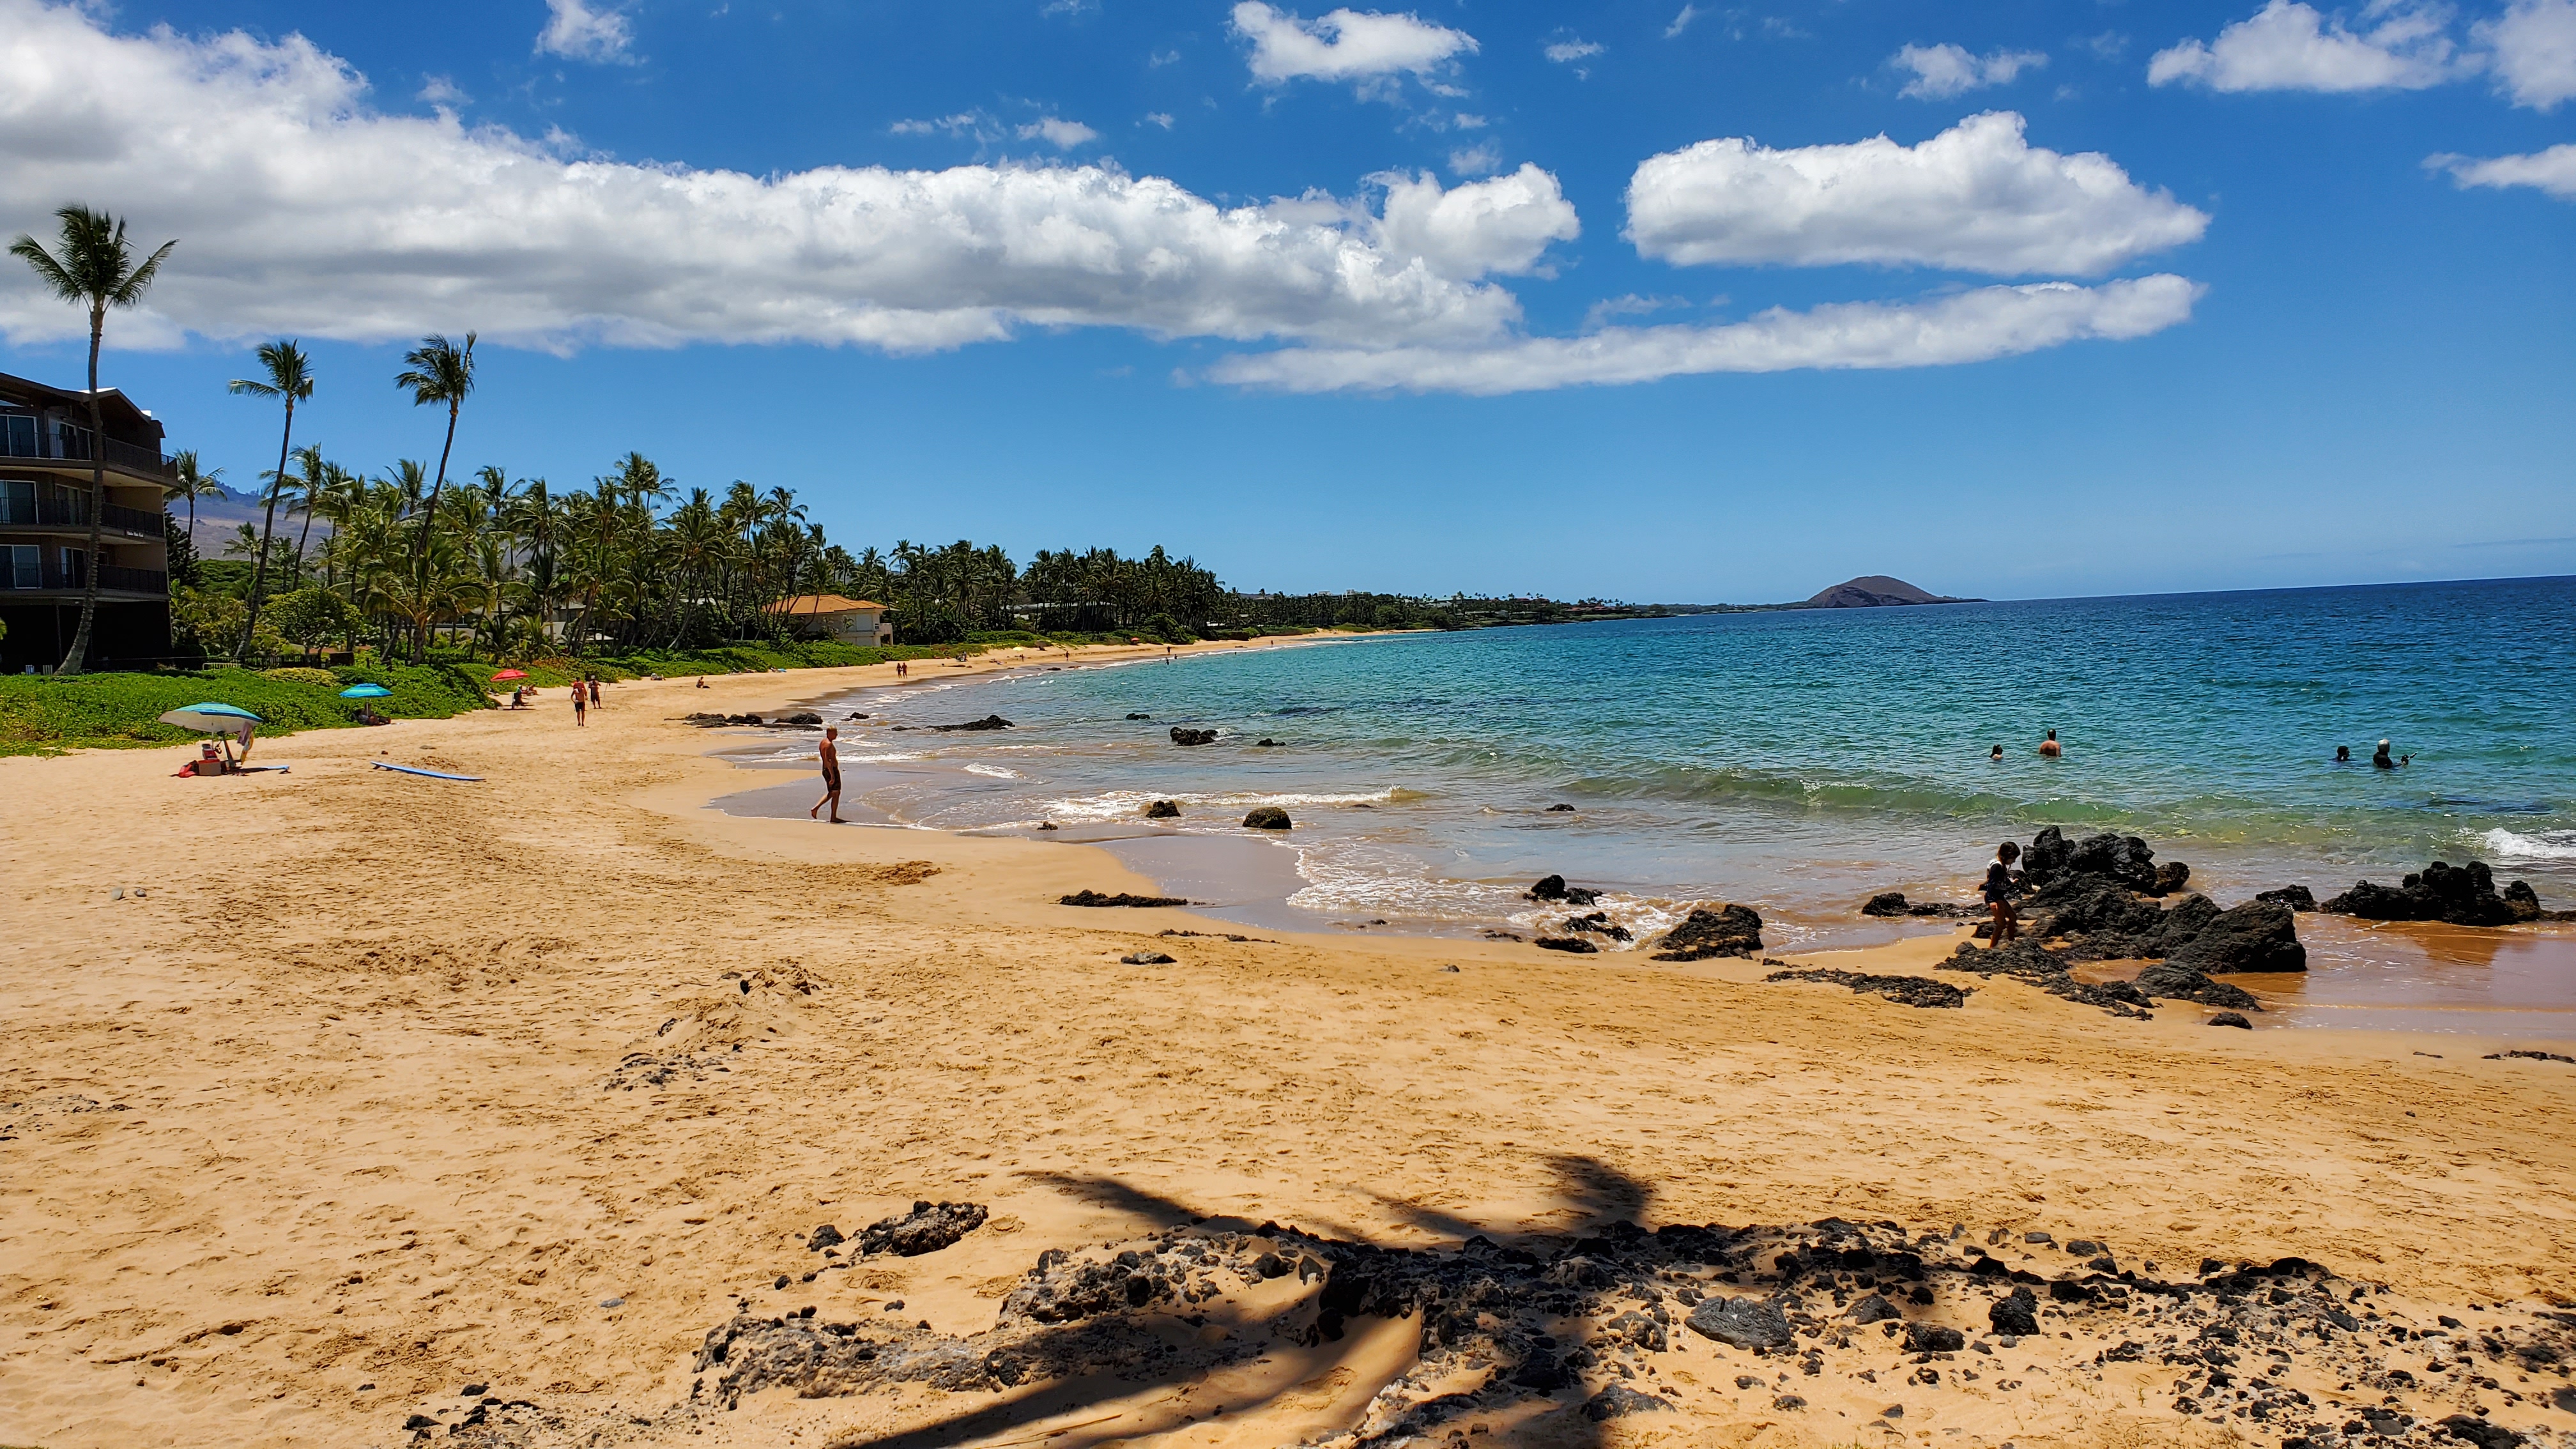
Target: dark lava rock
{"type": "Point", "coordinates": [1140, 716]}
{"type": "Point", "coordinates": [1741, 1323]}
{"type": "Point", "coordinates": [1894, 903]}
{"type": "Point", "coordinates": [1267, 817]}
{"type": "Point", "coordinates": [2471, 1430]}
{"type": "Point", "coordinates": [1933, 1338]}
{"type": "Point", "coordinates": [1145, 958]}
{"type": "Point", "coordinates": [2170, 877]}
{"type": "Point", "coordinates": [1599, 924]}
{"type": "Point", "coordinates": [1727, 931]}
{"type": "Point", "coordinates": [826, 1236]}
{"type": "Point", "coordinates": [2256, 936]}
{"type": "Point", "coordinates": [2167, 980]}
{"type": "Point", "coordinates": [928, 1228]}
{"type": "Point", "coordinates": [1560, 809]}
{"type": "Point", "coordinates": [1907, 990]}
{"type": "Point", "coordinates": [2092, 905]}
{"type": "Point", "coordinates": [1554, 888]}
{"type": "Point", "coordinates": [1266, 743]}
{"type": "Point", "coordinates": [2460, 895]}
{"type": "Point", "coordinates": [2531, 1056]}
{"type": "Point", "coordinates": [2017, 1315]}
{"type": "Point", "coordinates": [2122, 859]}
{"type": "Point", "coordinates": [1575, 944]}
{"type": "Point", "coordinates": [1874, 1309]}
{"type": "Point", "coordinates": [1182, 736]}
{"type": "Point", "coordinates": [2231, 1018]}
{"type": "Point", "coordinates": [702, 719]}
{"type": "Point", "coordinates": [806, 717]}
{"type": "Point", "coordinates": [1163, 810]}
{"type": "Point", "coordinates": [1095, 898]}
{"type": "Point", "coordinates": [1788, 1403]}
{"type": "Point", "coordinates": [2523, 901]}
{"type": "Point", "coordinates": [2296, 897]}
{"type": "Point", "coordinates": [988, 722]}
{"type": "Point", "coordinates": [1618, 1401]}
{"type": "Point", "coordinates": [2047, 970]}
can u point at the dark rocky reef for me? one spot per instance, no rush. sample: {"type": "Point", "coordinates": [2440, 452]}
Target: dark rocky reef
{"type": "Point", "coordinates": [1267, 817]}
{"type": "Point", "coordinates": [1095, 898]}
{"type": "Point", "coordinates": [929, 1227]}
{"type": "Point", "coordinates": [1894, 903]}
{"type": "Point", "coordinates": [1553, 888]}
{"type": "Point", "coordinates": [2458, 895]}
{"type": "Point", "coordinates": [1904, 990]}
{"type": "Point", "coordinates": [988, 722]}
{"type": "Point", "coordinates": [1163, 810]}
{"type": "Point", "coordinates": [1729, 930]}
{"type": "Point", "coordinates": [1185, 736]}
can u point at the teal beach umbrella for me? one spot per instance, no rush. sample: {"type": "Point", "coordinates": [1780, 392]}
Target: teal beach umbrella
{"type": "Point", "coordinates": [365, 691]}
{"type": "Point", "coordinates": [213, 719]}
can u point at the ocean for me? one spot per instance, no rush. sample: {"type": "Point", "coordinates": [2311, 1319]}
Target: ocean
{"type": "Point", "coordinates": [1795, 761]}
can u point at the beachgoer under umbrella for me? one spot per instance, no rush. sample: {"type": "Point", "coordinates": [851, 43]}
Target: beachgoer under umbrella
{"type": "Point", "coordinates": [580, 707]}
{"type": "Point", "coordinates": [2050, 747]}
{"type": "Point", "coordinates": [830, 754]}
{"type": "Point", "coordinates": [2002, 884]}
{"type": "Point", "coordinates": [2379, 759]}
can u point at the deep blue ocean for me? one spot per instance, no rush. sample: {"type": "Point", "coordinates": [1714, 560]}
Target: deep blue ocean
{"type": "Point", "coordinates": [1800, 760]}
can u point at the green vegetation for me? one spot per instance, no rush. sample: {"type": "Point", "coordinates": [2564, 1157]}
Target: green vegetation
{"type": "Point", "coordinates": [47, 714]}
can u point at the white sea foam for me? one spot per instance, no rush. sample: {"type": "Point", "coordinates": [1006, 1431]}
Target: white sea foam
{"type": "Point", "coordinates": [1118, 804]}
{"type": "Point", "coordinates": [884, 759]}
{"type": "Point", "coordinates": [2531, 845]}
{"type": "Point", "coordinates": [996, 771]}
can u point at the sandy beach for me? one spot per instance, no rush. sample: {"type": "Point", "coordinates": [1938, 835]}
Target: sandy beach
{"type": "Point", "coordinates": [331, 1093]}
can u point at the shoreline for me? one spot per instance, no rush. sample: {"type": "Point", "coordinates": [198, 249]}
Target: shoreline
{"type": "Point", "coordinates": [385, 1086]}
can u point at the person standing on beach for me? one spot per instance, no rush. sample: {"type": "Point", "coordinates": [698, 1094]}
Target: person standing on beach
{"type": "Point", "coordinates": [2000, 888]}
{"type": "Point", "coordinates": [830, 753]}
{"type": "Point", "coordinates": [580, 707]}
{"type": "Point", "coordinates": [2050, 747]}
{"type": "Point", "coordinates": [594, 691]}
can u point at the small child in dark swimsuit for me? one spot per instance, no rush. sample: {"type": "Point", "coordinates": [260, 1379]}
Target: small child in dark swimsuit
{"type": "Point", "coordinates": [2001, 886]}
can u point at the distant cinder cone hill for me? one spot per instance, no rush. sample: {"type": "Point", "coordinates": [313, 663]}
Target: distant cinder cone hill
{"type": "Point", "coordinates": [1878, 591]}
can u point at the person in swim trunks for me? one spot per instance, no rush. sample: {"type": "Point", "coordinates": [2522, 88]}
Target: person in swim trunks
{"type": "Point", "coordinates": [830, 753]}
{"type": "Point", "coordinates": [2000, 888]}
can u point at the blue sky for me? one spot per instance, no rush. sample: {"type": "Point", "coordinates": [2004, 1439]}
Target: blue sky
{"type": "Point", "coordinates": [1622, 300]}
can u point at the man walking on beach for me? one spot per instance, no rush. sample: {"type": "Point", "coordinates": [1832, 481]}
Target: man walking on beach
{"type": "Point", "coordinates": [831, 757]}
{"type": "Point", "coordinates": [580, 707]}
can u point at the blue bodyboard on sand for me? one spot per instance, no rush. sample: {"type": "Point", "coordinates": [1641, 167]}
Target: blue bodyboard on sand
{"type": "Point", "coordinates": [417, 770]}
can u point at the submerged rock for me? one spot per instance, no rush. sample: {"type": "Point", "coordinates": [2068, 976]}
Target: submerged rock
{"type": "Point", "coordinates": [1730, 930]}
{"type": "Point", "coordinates": [2459, 895]}
{"type": "Point", "coordinates": [988, 722]}
{"type": "Point", "coordinates": [1267, 817]}
{"type": "Point", "coordinates": [1598, 923]}
{"type": "Point", "coordinates": [1181, 735]}
{"type": "Point", "coordinates": [1163, 810]}
{"type": "Point", "coordinates": [1554, 888]}
{"type": "Point", "coordinates": [1894, 903]}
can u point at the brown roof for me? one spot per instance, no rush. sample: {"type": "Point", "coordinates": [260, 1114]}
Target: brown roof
{"type": "Point", "coordinates": [118, 411]}
{"type": "Point", "coordinates": [823, 604]}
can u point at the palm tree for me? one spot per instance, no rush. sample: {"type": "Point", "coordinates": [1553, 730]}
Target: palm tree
{"type": "Point", "coordinates": [290, 376]}
{"type": "Point", "coordinates": [437, 371]}
{"type": "Point", "coordinates": [96, 269]}
{"type": "Point", "coordinates": [194, 485]}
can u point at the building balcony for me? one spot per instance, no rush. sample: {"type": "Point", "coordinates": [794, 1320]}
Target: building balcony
{"type": "Point", "coordinates": [20, 583]}
{"type": "Point", "coordinates": [72, 515]}
{"type": "Point", "coordinates": [72, 446]}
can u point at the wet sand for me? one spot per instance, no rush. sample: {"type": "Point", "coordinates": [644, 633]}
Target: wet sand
{"type": "Point", "coordinates": [369, 1088]}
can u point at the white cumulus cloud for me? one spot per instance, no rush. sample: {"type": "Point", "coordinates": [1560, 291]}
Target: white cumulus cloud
{"type": "Point", "coordinates": [1344, 44]}
{"type": "Point", "coordinates": [1976, 326]}
{"type": "Point", "coordinates": [1062, 134]}
{"type": "Point", "coordinates": [2552, 171]}
{"type": "Point", "coordinates": [1977, 197]}
{"type": "Point", "coordinates": [1482, 159]}
{"type": "Point", "coordinates": [301, 210]}
{"type": "Point", "coordinates": [2533, 51]}
{"type": "Point", "coordinates": [2289, 46]}
{"type": "Point", "coordinates": [575, 31]}
{"type": "Point", "coordinates": [1566, 52]}
{"type": "Point", "coordinates": [1943, 71]}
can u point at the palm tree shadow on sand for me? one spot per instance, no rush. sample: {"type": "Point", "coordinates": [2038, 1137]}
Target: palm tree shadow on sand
{"type": "Point", "coordinates": [1206, 1318]}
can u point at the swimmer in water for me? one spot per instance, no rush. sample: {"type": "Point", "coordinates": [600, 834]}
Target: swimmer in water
{"type": "Point", "coordinates": [2379, 758]}
{"type": "Point", "coordinates": [2343, 754]}
{"type": "Point", "coordinates": [1997, 756]}
{"type": "Point", "coordinates": [2050, 747]}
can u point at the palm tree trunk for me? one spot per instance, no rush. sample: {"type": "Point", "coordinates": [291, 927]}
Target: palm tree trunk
{"type": "Point", "coordinates": [305, 533]}
{"type": "Point", "coordinates": [429, 519]}
{"type": "Point", "coordinates": [267, 527]}
{"type": "Point", "coordinates": [74, 658]}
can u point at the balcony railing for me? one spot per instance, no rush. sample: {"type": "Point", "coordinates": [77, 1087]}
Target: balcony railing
{"type": "Point", "coordinates": [52, 574]}
{"type": "Point", "coordinates": [74, 513]}
{"type": "Point", "coordinates": [72, 445]}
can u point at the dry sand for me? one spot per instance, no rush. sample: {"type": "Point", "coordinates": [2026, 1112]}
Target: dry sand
{"type": "Point", "coordinates": [370, 1087]}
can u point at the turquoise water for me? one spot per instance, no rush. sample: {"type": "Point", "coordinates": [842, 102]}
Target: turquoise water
{"type": "Point", "coordinates": [1800, 761]}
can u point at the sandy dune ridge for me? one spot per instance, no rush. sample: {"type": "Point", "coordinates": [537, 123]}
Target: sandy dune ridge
{"type": "Point", "coordinates": [369, 1088]}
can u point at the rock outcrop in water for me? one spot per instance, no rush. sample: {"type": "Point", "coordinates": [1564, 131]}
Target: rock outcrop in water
{"type": "Point", "coordinates": [1729, 930]}
{"type": "Point", "coordinates": [2457, 895]}
{"type": "Point", "coordinates": [1184, 736]}
{"type": "Point", "coordinates": [1894, 903]}
{"type": "Point", "coordinates": [2123, 859]}
{"type": "Point", "coordinates": [1553, 888]}
{"type": "Point", "coordinates": [988, 722]}
{"type": "Point", "coordinates": [1876, 591]}
{"type": "Point", "coordinates": [1267, 817]}
{"type": "Point", "coordinates": [1096, 898]}
{"type": "Point", "coordinates": [1163, 810]}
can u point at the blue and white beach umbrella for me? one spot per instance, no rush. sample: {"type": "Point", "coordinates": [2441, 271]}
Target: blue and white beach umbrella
{"type": "Point", "coordinates": [365, 691]}
{"type": "Point", "coordinates": [213, 719]}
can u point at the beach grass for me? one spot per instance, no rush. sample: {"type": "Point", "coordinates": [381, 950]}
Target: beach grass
{"type": "Point", "coordinates": [42, 715]}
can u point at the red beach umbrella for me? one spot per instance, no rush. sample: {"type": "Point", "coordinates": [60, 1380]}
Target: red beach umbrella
{"type": "Point", "coordinates": [509, 674]}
